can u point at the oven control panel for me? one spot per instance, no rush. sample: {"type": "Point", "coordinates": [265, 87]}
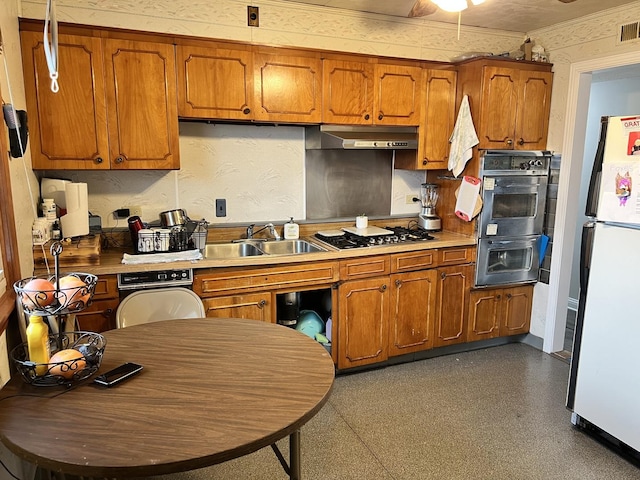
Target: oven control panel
{"type": "Point", "coordinates": [515, 162]}
{"type": "Point", "coordinates": [155, 279]}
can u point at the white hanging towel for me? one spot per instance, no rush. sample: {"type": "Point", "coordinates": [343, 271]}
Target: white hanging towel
{"type": "Point", "coordinates": [463, 139]}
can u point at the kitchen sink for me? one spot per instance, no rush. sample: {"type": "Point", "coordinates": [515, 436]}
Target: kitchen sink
{"type": "Point", "coordinates": [287, 247]}
{"type": "Point", "coordinates": [230, 250]}
{"type": "Point", "coordinates": [249, 248]}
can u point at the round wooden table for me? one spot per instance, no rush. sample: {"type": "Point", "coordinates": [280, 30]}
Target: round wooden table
{"type": "Point", "coordinates": [211, 390]}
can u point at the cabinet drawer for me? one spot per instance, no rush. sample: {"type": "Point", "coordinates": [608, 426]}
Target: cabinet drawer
{"type": "Point", "coordinates": [457, 255]}
{"type": "Point", "coordinates": [404, 262]}
{"type": "Point", "coordinates": [229, 281]}
{"type": "Point", "coordinates": [364, 267]}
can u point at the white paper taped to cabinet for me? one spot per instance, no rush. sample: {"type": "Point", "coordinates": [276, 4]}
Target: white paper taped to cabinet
{"type": "Point", "coordinates": [468, 196]}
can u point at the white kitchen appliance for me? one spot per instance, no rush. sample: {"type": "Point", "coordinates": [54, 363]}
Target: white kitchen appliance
{"type": "Point", "coordinates": [73, 200]}
{"type": "Point", "coordinates": [604, 384]}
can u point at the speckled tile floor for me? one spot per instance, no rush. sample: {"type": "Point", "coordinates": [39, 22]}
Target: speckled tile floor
{"type": "Point", "coordinates": [496, 413]}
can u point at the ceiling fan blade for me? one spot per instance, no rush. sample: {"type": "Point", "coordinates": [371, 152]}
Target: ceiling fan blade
{"type": "Point", "coordinates": [422, 8]}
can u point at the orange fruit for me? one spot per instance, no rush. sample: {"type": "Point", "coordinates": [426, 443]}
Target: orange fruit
{"type": "Point", "coordinates": [37, 293]}
{"type": "Point", "coordinates": [66, 362]}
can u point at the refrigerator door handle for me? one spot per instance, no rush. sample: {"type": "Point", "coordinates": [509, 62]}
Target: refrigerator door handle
{"type": "Point", "coordinates": [586, 249]}
{"type": "Point", "coordinates": [593, 193]}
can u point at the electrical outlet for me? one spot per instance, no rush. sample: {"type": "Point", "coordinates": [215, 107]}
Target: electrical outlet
{"type": "Point", "coordinates": [221, 207]}
{"type": "Point", "coordinates": [253, 16]}
{"type": "Point", "coordinates": [409, 198]}
{"type": "Point", "coordinates": [135, 210]}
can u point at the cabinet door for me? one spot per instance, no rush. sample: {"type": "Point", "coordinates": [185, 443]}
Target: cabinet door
{"type": "Point", "coordinates": [439, 119]}
{"type": "Point", "coordinates": [253, 306]}
{"type": "Point", "coordinates": [534, 104]}
{"type": "Point", "coordinates": [287, 89]}
{"type": "Point", "coordinates": [363, 307]}
{"type": "Point", "coordinates": [68, 128]}
{"type": "Point", "coordinates": [347, 92]}
{"type": "Point", "coordinates": [413, 309]}
{"type": "Point", "coordinates": [397, 96]}
{"type": "Point", "coordinates": [498, 108]}
{"type": "Point", "coordinates": [454, 284]}
{"type": "Point", "coordinates": [215, 83]}
{"type": "Point", "coordinates": [516, 313]}
{"type": "Point", "coordinates": [485, 309]}
{"type": "Point", "coordinates": [141, 105]}
{"type": "Point", "coordinates": [98, 317]}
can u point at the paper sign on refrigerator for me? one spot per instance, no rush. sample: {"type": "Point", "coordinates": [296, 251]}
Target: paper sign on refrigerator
{"type": "Point", "coordinates": [619, 200]}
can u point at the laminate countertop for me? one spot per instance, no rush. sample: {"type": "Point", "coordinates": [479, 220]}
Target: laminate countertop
{"type": "Point", "coordinates": [111, 258]}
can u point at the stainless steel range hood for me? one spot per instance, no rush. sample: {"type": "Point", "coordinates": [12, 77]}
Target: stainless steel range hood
{"type": "Point", "coordinates": [354, 137]}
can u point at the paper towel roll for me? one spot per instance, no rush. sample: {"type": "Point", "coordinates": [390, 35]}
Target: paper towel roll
{"type": "Point", "coordinates": [76, 221]}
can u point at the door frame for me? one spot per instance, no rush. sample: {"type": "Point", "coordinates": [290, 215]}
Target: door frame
{"type": "Point", "coordinates": [568, 197]}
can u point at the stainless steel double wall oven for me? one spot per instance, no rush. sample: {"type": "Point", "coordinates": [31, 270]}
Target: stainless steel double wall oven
{"type": "Point", "coordinates": [514, 188]}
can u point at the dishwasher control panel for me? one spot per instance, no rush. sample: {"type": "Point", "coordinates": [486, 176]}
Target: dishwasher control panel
{"type": "Point", "coordinates": [155, 279]}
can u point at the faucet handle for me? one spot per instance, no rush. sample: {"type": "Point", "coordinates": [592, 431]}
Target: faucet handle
{"type": "Point", "coordinates": [250, 230]}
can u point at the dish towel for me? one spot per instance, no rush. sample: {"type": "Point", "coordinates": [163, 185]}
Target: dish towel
{"type": "Point", "coordinates": [187, 255]}
{"type": "Point", "coordinates": [463, 139]}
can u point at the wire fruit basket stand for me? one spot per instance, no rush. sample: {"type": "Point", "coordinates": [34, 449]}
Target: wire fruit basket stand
{"type": "Point", "coordinates": [59, 298]}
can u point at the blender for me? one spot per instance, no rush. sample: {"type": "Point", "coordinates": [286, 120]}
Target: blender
{"type": "Point", "coordinates": [428, 220]}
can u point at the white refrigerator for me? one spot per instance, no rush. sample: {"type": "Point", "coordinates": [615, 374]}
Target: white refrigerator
{"type": "Point", "coordinates": [604, 384]}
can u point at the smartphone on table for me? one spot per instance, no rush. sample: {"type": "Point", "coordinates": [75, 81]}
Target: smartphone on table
{"type": "Point", "coordinates": [118, 374]}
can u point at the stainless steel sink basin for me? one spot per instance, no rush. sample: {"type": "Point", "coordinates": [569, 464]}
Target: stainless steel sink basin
{"type": "Point", "coordinates": [230, 250]}
{"type": "Point", "coordinates": [288, 247]}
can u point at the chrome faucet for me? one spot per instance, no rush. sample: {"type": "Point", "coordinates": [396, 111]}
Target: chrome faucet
{"type": "Point", "coordinates": [272, 230]}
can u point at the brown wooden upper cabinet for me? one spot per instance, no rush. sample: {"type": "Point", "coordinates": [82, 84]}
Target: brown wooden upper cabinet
{"type": "Point", "coordinates": [215, 82]}
{"type": "Point", "coordinates": [510, 103]}
{"type": "Point", "coordinates": [116, 107]}
{"type": "Point", "coordinates": [220, 82]}
{"type": "Point", "coordinates": [438, 120]}
{"type": "Point", "coordinates": [287, 88]}
{"type": "Point", "coordinates": [362, 93]}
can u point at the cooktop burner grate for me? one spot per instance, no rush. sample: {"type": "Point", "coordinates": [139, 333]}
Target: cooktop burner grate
{"type": "Point", "coordinates": [397, 235]}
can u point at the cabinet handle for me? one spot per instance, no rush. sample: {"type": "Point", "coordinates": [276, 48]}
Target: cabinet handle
{"type": "Point", "coordinates": [383, 287]}
{"type": "Point", "coordinates": [509, 142]}
{"type": "Point", "coordinates": [521, 141]}
{"type": "Point", "coordinates": [367, 116]}
{"type": "Point", "coordinates": [246, 111]}
{"type": "Point", "coordinates": [119, 159]}
{"type": "Point", "coordinates": [424, 161]}
{"type": "Point", "coordinates": [262, 303]}
{"type": "Point", "coordinates": [508, 295]}
{"type": "Point", "coordinates": [498, 297]}
{"type": "Point", "coordinates": [398, 283]}
{"type": "Point", "coordinates": [380, 117]}
{"type": "Point", "coordinates": [99, 160]}
{"type": "Point", "coordinates": [443, 276]}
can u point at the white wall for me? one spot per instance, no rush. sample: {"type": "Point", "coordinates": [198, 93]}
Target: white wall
{"type": "Point", "coordinates": [592, 37]}
{"type": "Point", "coordinates": [12, 86]}
{"type": "Point", "coordinates": [613, 92]}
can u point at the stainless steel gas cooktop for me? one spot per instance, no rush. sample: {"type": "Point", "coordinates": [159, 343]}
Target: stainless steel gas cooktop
{"type": "Point", "coordinates": [351, 239]}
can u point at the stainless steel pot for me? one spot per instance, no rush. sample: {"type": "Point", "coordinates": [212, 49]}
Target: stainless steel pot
{"type": "Point", "coordinates": [173, 218]}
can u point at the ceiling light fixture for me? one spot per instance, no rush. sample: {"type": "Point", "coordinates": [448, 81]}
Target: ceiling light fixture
{"type": "Point", "coordinates": [455, 5]}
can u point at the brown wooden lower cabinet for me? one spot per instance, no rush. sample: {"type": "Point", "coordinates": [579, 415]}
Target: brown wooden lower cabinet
{"type": "Point", "coordinates": [454, 284]}
{"type": "Point", "coordinates": [252, 306]}
{"type": "Point", "coordinates": [100, 315]}
{"type": "Point", "coordinates": [363, 322]}
{"type": "Point", "coordinates": [498, 312]}
{"type": "Point", "coordinates": [413, 309]}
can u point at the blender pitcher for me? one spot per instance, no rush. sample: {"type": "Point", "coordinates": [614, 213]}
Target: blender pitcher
{"type": "Point", "coordinates": [428, 220]}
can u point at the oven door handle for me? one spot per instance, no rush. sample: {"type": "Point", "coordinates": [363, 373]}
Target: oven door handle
{"type": "Point", "coordinates": [503, 242]}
